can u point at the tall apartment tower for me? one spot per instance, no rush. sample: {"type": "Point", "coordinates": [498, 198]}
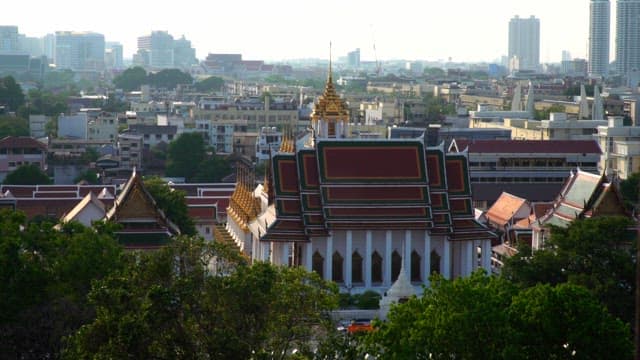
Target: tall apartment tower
{"type": "Point", "coordinates": [524, 44]}
{"type": "Point", "coordinates": [628, 36]}
{"type": "Point", "coordinates": [599, 29]}
{"type": "Point", "coordinates": [79, 51]}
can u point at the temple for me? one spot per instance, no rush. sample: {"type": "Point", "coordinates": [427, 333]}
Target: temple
{"type": "Point", "coordinates": [354, 210]}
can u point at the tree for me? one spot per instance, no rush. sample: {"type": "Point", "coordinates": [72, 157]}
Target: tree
{"type": "Point", "coordinates": [185, 155]}
{"type": "Point", "coordinates": [170, 304]}
{"type": "Point", "coordinates": [131, 79]}
{"type": "Point", "coordinates": [212, 83]}
{"type": "Point", "coordinates": [169, 78]}
{"type": "Point", "coordinates": [482, 317]}
{"type": "Point", "coordinates": [546, 113]}
{"type": "Point", "coordinates": [45, 274]}
{"type": "Point", "coordinates": [433, 72]}
{"type": "Point", "coordinates": [27, 175]}
{"type": "Point", "coordinates": [212, 169]}
{"type": "Point", "coordinates": [46, 103]}
{"type": "Point", "coordinates": [630, 190]}
{"type": "Point", "coordinates": [90, 176]}
{"type": "Point", "coordinates": [597, 253]}
{"type": "Point", "coordinates": [172, 203]}
{"type": "Point", "coordinates": [13, 126]}
{"type": "Point", "coordinates": [11, 93]}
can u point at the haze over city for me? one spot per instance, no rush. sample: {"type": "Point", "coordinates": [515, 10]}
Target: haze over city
{"type": "Point", "coordinates": [463, 30]}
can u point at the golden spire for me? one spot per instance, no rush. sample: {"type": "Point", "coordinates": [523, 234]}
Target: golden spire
{"type": "Point", "coordinates": [330, 107]}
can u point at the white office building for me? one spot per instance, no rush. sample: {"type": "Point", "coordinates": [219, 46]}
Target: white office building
{"type": "Point", "coordinates": [627, 36]}
{"type": "Point", "coordinates": [524, 43]}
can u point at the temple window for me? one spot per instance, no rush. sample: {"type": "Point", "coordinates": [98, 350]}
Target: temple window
{"type": "Point", "coordinates": [376, 267]}
{"type": "Point", "coordinates": [336, 271]}
{"type": "Point", "coordinates": [396, 264]}
{"type": "Point", "coordinates": [356, 267]}
{"type": "Point", "coordinates": [331, 129]}
{"type": "Point", "coordinates": [435, 263]}
{"type": "Point", "coordinates": [317, 263]}
{"type": "Point", "coordinates": [415, 266]}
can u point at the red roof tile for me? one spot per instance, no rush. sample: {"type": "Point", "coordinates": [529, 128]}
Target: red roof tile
{"type": "Point", "coordinates": [21, 142]}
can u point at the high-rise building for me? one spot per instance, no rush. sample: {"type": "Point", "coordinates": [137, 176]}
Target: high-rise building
{"type": "Point", "coordinates": [9, 39]}
{"type": "Point", "coordinates": [627, 36]}
{"type": "Point", "coordinates": [79, 51]}
{"type": "Point", "coordinates": [599, 28]}
{"type": "Point", "coordinates": [353, 58]}
{"type": "Point", "coordinates": [159, 47]}
{"type": "Point", "coordinates": [524, 44]}
{"type": "Point", "coordinates": [113, 57]}
{"type": "Point", "coordinates": [184, 55]}
{"type": "Point", "coordinates": [49, 47]}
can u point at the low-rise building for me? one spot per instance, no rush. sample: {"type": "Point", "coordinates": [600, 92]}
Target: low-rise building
{"type": "Point", "coordinates": [620, 148]}
{"type": "Point", "coordinates": [533, 170]}
{"type": "Point", "coordinates": [16, 151]}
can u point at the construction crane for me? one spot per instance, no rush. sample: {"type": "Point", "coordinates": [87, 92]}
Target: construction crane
{"type": "Point", "coordinates": [375, 53]}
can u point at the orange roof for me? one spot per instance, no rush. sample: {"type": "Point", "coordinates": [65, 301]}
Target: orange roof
{"type": "Point", "coordinates": [504, 208]}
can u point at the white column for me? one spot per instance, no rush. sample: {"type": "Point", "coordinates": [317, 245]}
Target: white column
{"type": "Point", "coordinates": [387, 259]}
{"type": "Point", "coordinates": [427, 257]}
{"type": "Point", "coordinates": [367, 260]}
{"type": "Point", "coordinates": [308, 259]}
{"type": "Point", "coordinates": [407, 253]}
{"type": "Point", "coordinates": [347, 255]}
{"type": "Point", "coordinates": [446, 259]}
{"type": "Point", "coordinates": [486, 256]}
{"type": "Point", "coordinates": [272, 253]}
{"type": "Point", "coordinates": [470, 258]}
{"type": "Point", "coordinates": [328, 275]}
{"type": "Point", "coordinates": [286, 249]}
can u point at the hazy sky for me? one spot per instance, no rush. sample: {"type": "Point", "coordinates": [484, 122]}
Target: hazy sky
{"type": "Point", "coordinates": [465, 30]}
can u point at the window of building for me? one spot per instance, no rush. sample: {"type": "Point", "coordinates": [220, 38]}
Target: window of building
{"type": "Point", "coordinates": [396, 264]}
{"type": "Point", "coordinates": [331, 129]}
{"type": "Point", "coordinates": [158, 136]}
{"type": "Point", "coordinates": [415, 266]}
{"type": "Point", "coordinates": [336, 267]}
{"type": "Point", "coordinates": [12, 164]}
{"type": "Point", "coordinates": [356, 268]}
{"type": "Point", "coordinates": [376, 267]}
{"type": "Point", "coordinates": [170, 137]}
{"type": "Point", "coordinates": [207, 230]}
{"type": "Point", "coordinates": [317, 264]}
{"type": "Point", "coordinates": [435, 263]}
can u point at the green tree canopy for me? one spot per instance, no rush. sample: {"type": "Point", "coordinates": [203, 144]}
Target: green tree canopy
{"type": "Point", "coordinates": [45, 274]}
{"type": "Point", "coordinates": [173, 204]}
{"type": "Point", "coordinates": [27, 175]}
{"type": "Point", "coordinates": [169, 78]}
{"type": "Point", "coordinates": [13, 126]}
{"type": "Point", "coordinates": [597, 253]}
{"type": "Point", "coordinates": [546, 113]}
{"type": "Point", "coordinates": [185, 155]}
{"type": "Point", "coordinates": [131, 79]}
{"type": "Point", "coordinates": [630, 190]}
{"type": "Point", "coordinates": [47, 103]}
{"type": "Point", "coordinates": [212, 83]}
{"type": "Point", "coordinates": [189, 157]}
{"type": "Point", "coordinates": [483, 317]}
{"type": "Point", "coordinates": [171, 304]}
{"type": "Point", "coordinates": [11, 93]}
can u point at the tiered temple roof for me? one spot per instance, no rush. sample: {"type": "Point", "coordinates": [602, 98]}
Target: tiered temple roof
{"type": "Point", "coordinates": [583, 195]}
{"type": "Point", "coordinates": [244, 207]}
{"type": "Point", "coordinates": [144, 225]}
{"type": "Point", "coordinates": [375, 185]}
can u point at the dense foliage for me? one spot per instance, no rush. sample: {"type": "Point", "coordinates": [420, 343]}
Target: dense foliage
{"type": "Point", "coordinates": [134, 77]}
{"type": "Point", "coordinates": [189, 157]}
{"type": "Point", "coordinates": [482, 317]}
{"type": "Point", "coordinates": [172, 203]}
{"type": "Point", "coordinates": [597, 253]}
{"type": "Point", "coordinates": [27, 175]}
{"type": "Point", "coordinates": [11, 94]}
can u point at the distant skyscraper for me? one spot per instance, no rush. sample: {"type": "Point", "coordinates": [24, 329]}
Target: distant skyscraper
{"type": "Point", "coordinates": [9, 39]}
{"type": "Point", "coordinates": [353, 58]}
{"type": "Point", "coordinates": [524, 43]}
{"type": "Point", "coordinates": [113, 57]}
{"type": "Point", "coordinates": [79, 51]}
{"type": "Point", "coordinates": [599, 28]}
{"type": "Point", "coordinates": [627, 36]}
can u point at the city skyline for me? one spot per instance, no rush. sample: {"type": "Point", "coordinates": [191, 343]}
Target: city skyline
{"type": "Point", "coordinates": [470, 32]}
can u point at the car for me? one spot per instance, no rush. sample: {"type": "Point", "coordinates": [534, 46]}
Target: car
{"type": "Point", "coordinates": [359, 325]}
